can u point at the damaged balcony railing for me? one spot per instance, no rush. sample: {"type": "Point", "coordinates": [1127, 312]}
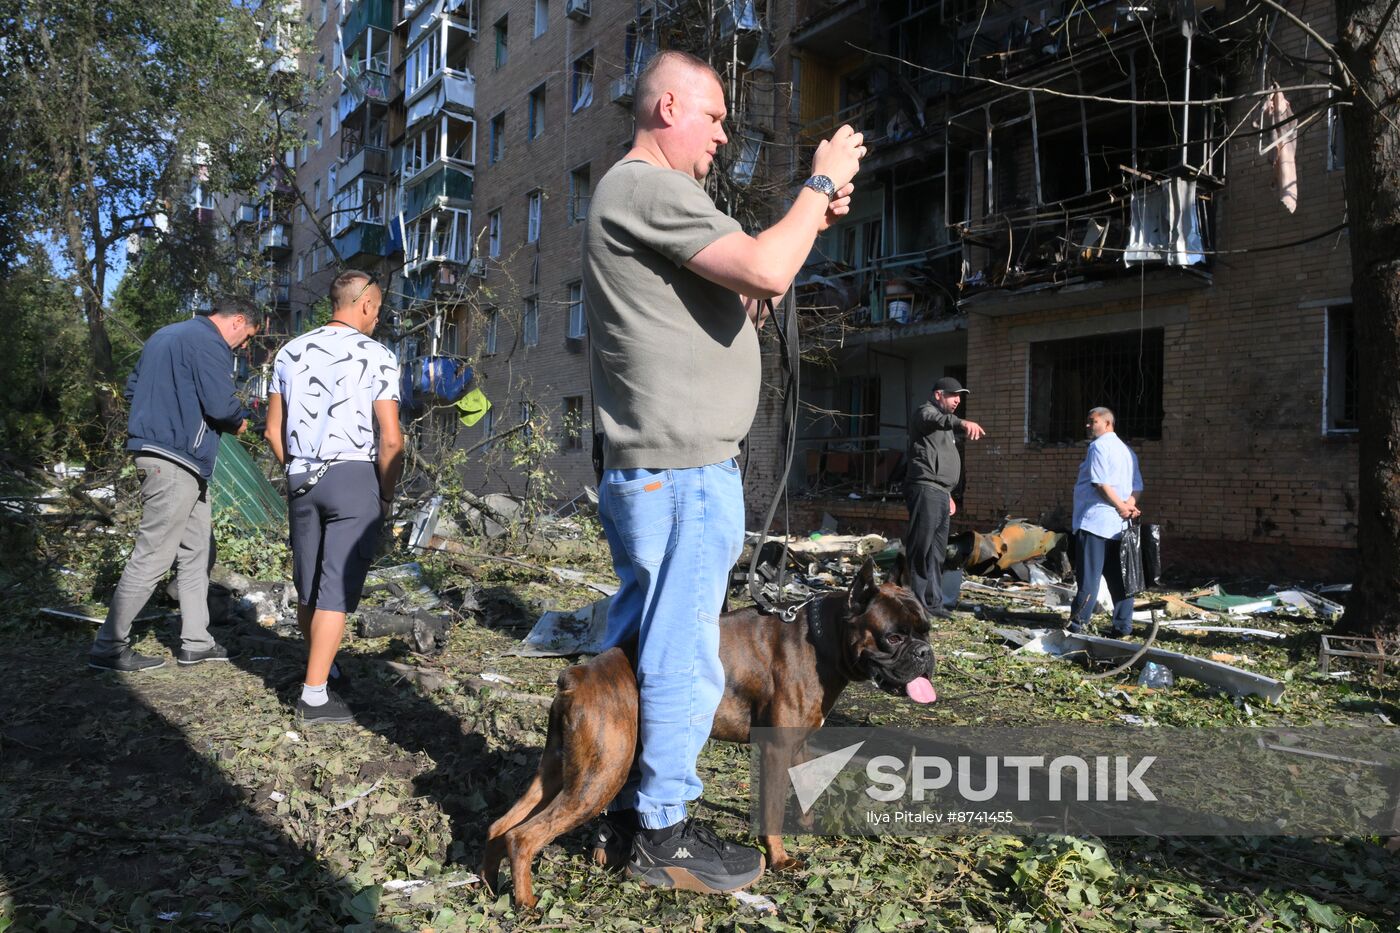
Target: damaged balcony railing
{"type": "Point", "coordinates": [898, 289]}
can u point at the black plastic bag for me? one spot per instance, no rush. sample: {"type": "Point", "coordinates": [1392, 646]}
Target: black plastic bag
{"type": "Point", "coordinates": [1130, 560]}
{"type": "Point", "coordinates": [1152, 555]}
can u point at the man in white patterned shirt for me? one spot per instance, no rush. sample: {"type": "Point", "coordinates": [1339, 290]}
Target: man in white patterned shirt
{"type": "Point", "coordinates": [331, 387]}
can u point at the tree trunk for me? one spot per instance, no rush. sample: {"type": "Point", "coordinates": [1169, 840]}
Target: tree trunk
{"type": "Point", "coordinates": [103, 369]}
{"type": "Point", "coordinates": [1373, 205]}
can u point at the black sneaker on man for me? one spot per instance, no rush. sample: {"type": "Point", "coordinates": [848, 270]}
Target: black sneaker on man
{"type": "Point", "coordinates": [190, 656]}
{"type": "Point", "coordinates": [125, 662]}
{"type": "Point", "coordinates": [693, 858]}
{"type": "Point", "coordinates": [333, 711]}
{"type": "Point", "coordinates": [613, 838]}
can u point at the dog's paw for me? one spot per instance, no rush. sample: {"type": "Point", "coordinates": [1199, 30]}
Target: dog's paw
{"type": "Point", "coordinates": [788, 865]}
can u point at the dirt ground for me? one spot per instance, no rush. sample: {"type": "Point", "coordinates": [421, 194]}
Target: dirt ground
{"type": "Point", "coordinates": [189, 798]}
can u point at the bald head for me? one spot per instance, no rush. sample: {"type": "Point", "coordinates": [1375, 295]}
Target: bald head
{"type": "Point", "coordinates": [679, 113]}
{"type": "Point", "coordinates": [677, 72]}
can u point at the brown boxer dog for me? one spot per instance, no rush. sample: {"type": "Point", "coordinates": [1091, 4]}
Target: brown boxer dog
{"type": "Point", "coordinates": [779, 674]}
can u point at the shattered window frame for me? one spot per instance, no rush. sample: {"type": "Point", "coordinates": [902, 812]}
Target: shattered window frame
{"type": "Point", "coordinates": [573, 422]}
{"type": "Point", "coordinates": [1121, 370]}
{"type": "Point", "coordinates": [578, 320]}
{"type": "Point", "coordinates": [1340, 372]}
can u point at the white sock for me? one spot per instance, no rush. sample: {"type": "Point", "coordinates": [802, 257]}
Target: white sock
{"type": "Point", "coordinates": [314, 696]}
{"type": "Point", "coordinates": [335, 669]}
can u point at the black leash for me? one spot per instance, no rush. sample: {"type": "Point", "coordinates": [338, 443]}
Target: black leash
{"type": "Point", "coordinates": [791, 360]}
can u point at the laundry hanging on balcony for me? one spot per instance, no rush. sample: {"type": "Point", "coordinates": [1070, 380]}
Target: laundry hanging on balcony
{"type": "Point", "coordinates": [1165, 225]}
{"type": "Point", "coordinates": [473, 406]}
{"type": "Point", "coordinates": [1282, 146]}
{"type": "Point", "coordinates": [441, 379]}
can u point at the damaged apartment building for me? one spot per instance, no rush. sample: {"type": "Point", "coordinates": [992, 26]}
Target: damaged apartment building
{"type": "Point", "coordinates": [1079, 204]}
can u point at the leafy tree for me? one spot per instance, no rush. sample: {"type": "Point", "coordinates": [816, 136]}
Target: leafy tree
{"type": "Point", "coordinates": [43, 373]}
{"type": "Point", "coordinates": [113, 108]}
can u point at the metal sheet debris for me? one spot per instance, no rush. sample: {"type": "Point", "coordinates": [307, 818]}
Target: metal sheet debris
{"type": "Point", "coordinates": [1232, 680]}
{"type": "Point", "coordinates": [564, 634]}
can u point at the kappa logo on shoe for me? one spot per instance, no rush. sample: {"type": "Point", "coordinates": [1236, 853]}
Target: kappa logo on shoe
{"type": "Point", "coordinates": [683, 853]}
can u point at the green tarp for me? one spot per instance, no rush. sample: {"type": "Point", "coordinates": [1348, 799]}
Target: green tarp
{"type": "Point", "coordinates": [242, 488]}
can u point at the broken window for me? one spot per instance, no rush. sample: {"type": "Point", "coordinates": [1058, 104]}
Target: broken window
{"type": "Point", "coordinates": [536, 113]}
{"type": "Point", "coordinates": [493, 320]}
{"type": "Point", "coordinates": [1340, 386]}
{"type": "Point", "coordinates": [360, 201]}
{"type": "Point", "coordinates": [498, 138]}
{"type": "Point", "coordinates": [493, 234]}
{"type": "Point", "coordinates": [578, 323]}
{"type": "Point", "coordinates": [581, 83]}
{"type": "Point", "coordinates": [502, 32]}
{"type": "Point", "coordinates": [1120, 371]}
{"type": "Point", "coordinates": [573, 422]}
{"type": "Point", "coordinates": [536, 207]}
{"type": "Point", "coordinates": [580, 189]}
{"type": "Point", "coordinates": [530, 322]}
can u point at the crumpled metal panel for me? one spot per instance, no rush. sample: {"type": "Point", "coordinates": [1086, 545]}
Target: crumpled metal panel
{"type": "Point", "coordinates": [1013, 542]}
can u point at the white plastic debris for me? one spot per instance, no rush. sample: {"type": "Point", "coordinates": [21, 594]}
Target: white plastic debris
{"type": "Point", "coordinates": [292, 737]}
{"type": "Point", "coordinates": [757, 902]}
{"type": "Point", "coordinates": [277, 796]}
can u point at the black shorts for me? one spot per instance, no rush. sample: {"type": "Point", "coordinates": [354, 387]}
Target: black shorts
{"type": "Point", "coordinates": [334, 533]}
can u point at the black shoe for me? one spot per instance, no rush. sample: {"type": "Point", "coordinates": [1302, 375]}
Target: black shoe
{"type": "Point", "coordinates": [613, 838]}
{"type": "Point", "coordinates": [940, 613]}
{"type": "Point", "coordinates": [188, 657]}
{"type": "Point", "coordinates": [126, 662]}
{"type": "Point", "coordinates": [695, 859]}
{"type": "Point", "coordinates": [333, 710]}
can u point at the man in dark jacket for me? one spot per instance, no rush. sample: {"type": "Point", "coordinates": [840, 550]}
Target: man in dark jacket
{"type": "Point", "coordinates": [934, 469]}
{"type": "Point", "coordinates": [182, 399]}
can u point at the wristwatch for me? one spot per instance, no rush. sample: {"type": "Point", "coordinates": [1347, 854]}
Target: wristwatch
{"type": "Point", "coordinates": [823, 184]}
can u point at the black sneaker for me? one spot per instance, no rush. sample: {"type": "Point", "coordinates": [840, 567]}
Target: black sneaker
{"type": "Point", "coordinates": [613, 837]}
{"type": "Point", "coordinates": [188, 656]}
{"type": "Point", "coordinates": [333, 711]}
{"type": "Point", "coordinates": [695, 859]}
{"type": "Point", "coordinates": [126, 662]}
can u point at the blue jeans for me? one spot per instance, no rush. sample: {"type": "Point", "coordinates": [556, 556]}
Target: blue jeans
{"type": "Point", "coordinates": [674, 536]}
{"type": "Point", "coordinates": [1096, 558]}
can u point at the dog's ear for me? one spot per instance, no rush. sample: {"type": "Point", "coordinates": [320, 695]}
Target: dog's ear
{"type": "Point", "coordinates": [863, 587]}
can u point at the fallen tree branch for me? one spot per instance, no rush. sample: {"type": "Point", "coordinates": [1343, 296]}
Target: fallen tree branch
{"type": "Point", "coordinates": [188, 839]}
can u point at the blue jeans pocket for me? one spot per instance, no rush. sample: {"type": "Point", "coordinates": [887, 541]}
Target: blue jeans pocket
{"type": "Point", "coordinates": [642, 505]}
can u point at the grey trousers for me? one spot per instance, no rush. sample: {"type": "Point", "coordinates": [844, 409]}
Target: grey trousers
{"type": "Point", "coordinates": [926, 545]}
{"type": "Point", "coordinates": [175, 529]}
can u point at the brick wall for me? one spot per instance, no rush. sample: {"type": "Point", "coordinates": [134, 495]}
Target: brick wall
{"type": "Point", "coordinates": [1243, 469]}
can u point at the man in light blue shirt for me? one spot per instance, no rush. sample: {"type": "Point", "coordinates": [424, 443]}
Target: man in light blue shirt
{"type": "Point", "coordinates": [1105, 500]}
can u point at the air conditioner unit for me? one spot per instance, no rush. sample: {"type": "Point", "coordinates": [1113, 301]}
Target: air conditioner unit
{"type": "Point", "coordinates": [477, 267]}
{"type": "Point", "coordinates": [622, 89]}
{"type": "Point", "coordinates": [577, 9]}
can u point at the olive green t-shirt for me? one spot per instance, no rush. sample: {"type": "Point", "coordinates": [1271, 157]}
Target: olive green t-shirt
{"type": "Point", "coordinates": [674, 358]}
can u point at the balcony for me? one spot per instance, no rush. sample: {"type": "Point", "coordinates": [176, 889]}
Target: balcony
{"type": "Point", "coordinates": [365, 14]}
{"type": "Point", "coordinates": [827, 27]}
{"type": "Point", "coordinates": [365, 160]}
{"type": "Point", "coordinates": [446, 90]}
{"type": "Point", "coordinates": [245, 214]}
{"type": "Point", "coordinates": [362, 244]}
{"type": "Point", "coordinates": [369, 87]}
{"type": "Point", "coordinates": [274, 293]}
{"type": "Point", "coordinates": [275, 239]}
{"type": "Point", "coordinates": [442, 187]}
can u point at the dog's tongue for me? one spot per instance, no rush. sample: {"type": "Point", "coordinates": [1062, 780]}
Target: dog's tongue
{"type": "Point", "coordinates": [920, 690]}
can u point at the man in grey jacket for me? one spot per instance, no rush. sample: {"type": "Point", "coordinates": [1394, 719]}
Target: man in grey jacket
{"type": "Point", "coordinates": [182, 399]}
{"type": "Point", "coordinates": [933, 471]}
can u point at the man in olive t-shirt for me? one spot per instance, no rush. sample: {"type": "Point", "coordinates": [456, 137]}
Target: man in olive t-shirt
{"type": "Point", "coordinates": [672, 289]}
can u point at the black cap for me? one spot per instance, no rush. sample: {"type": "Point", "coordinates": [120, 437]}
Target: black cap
{"type": "Point", "coordinates": [948, 386]}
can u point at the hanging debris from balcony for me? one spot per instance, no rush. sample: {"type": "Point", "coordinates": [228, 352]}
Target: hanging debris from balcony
{"type": "Point", "coordinates": [1282, 147]}
{"type": "Point", "coordinates": [1165, 225]}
